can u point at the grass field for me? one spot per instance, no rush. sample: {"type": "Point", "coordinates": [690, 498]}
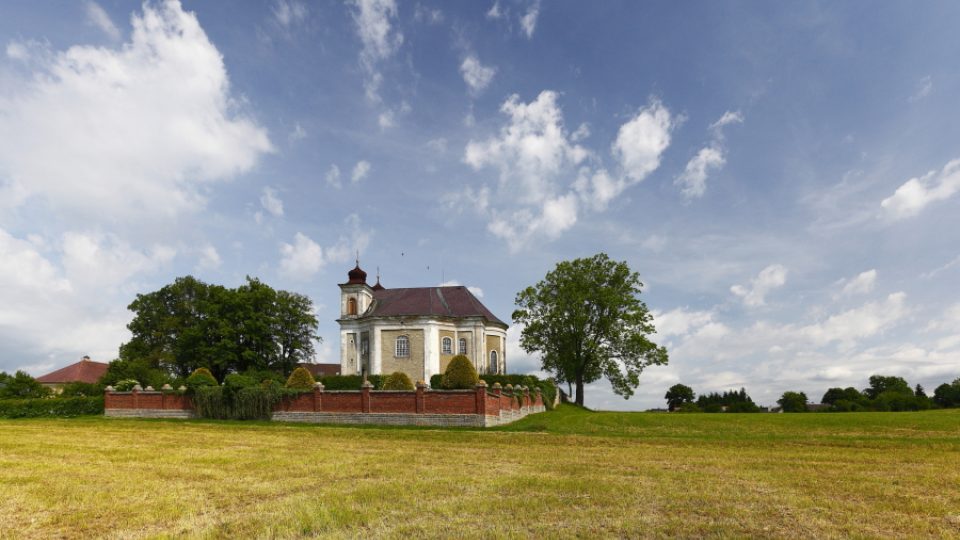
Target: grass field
{"type": "Point", "coordinates": [569, 473]}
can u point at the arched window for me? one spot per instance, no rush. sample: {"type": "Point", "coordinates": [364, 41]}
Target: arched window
{"type": "Point", "coordinates": [403, 347]}
{"type": "Point", "coordinates": [462, 348]}
{"type": "Point", "coordinates": [351, 306]}
{"type": "Point", "coordinates": [494, 365]}
{"type": "Point", "coordinates": [446, 346]}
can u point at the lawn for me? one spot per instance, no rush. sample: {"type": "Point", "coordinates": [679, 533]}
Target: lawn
{"type": "Point", "coordinates": [569, 473]}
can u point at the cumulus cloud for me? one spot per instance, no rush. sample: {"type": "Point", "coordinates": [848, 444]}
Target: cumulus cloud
{"type": "Point", "coordinates": [96, 16]}
{"type": "Point", "coordinates": [289, 13]}
{"type": "Point", "coordinates": [477, 291]}
{"type": "Point", "coordinates": [863, 283]}
{"type": "Point", "coordinates": [528, 22]}
{"type": "Point", "coordinates": [641, 141]}
{"type": "Point", "coordinates": [770, 278]}
{"type": "Point", "coordinates": [915, 194]}
{"type": "Point", "coordinates": [924, 88]}
{"type": "Point", "coordinates": [360, 171]}
{"type": "Point", "coordinates": [209, 258]}
{"type": "Point", "coordinates": [129, 132]}
{"type": "Point", "coordinates": [476, 75]}
{"type": "Point", "coordinates": [693, 179]}
{"type": "Point", "coordinates": [271, 202]}
{"type": "Point", "coordinates": [303, 258]}
{"type": "Point", "coordinates": [333, 176]}
{"type": "Point", "coordinates": [550, 220]}
{"type": "Point", "coordinates": [680, 321]}
{"type": "Point", "coordinates": [380, 40]}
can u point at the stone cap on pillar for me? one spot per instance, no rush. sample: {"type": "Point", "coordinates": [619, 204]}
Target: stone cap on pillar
{"type": "Point", "coordinates": [366, 384]}
{"type": "Point", "coordinates": [482, 383]}
{"type": "Point", "coordinates": [318, 386]}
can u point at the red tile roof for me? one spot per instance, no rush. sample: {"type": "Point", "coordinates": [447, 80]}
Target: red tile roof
{"type": "Point", "coordinates": [321, 370]}
{"type": "Point", "coordinates": [86, 371]}
{"type": "Point", "coordinates": [455, 302]}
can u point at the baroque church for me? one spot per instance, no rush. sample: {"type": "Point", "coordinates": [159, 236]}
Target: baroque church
{"type": "Point", "coordinates": [415, 330]}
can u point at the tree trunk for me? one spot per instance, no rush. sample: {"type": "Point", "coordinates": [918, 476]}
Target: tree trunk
{"type": "Point", "coordinates": [579, 399]}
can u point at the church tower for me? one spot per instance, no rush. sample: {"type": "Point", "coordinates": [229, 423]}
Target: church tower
{"type": "Point", "coordinates": [355, 298]}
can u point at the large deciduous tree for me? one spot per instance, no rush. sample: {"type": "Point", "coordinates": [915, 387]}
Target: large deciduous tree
{"type": "Point", "coordinates": [190, 324]}
{"type": "Point", "coordinates": [586, 320]}
{"type": "Point", "coordinates": [677, 395]}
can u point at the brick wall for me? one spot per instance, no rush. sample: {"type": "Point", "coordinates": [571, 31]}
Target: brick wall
{"type": "Point", "coordinates": [478, 407]}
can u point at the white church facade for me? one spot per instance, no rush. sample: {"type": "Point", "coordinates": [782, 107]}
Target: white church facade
{"type": "Point", "coordinates": [415, 330]}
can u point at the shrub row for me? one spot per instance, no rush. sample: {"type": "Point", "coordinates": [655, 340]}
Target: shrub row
{"type": "Point", "coordinates": [547, 387]}
{"type": "Point", "coordinates": [46, 407]}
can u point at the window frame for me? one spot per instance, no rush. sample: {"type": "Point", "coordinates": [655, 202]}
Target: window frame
{"type": "Point", "coordinates": [446, 345]}
{"type": "Point", "coordinates": [462, 346]}
{"type": "Point", "coordinates": [404, 351]}
{"type": "Point", "coordinates": [494, 358]}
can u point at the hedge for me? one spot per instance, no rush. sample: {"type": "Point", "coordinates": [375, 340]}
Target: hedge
{"type": "Point", "coordinates": [349, 382]}
{"type": "Point", "coordinates": [547, 387]}
{"type": "Point", "coordinates": [51, 407]}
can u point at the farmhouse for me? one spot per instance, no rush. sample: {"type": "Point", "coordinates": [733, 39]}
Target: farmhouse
{"type": "Point", "coordinates": [85, 370]}
{"type": "Point", "coordinates": [415, 330]}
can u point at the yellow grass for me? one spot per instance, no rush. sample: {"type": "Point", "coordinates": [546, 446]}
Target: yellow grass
{"type": "Point", "coordinates": [565, 474]}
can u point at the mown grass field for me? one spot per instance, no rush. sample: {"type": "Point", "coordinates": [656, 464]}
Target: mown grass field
{"type": "Point", "coordinates": [570, 473]}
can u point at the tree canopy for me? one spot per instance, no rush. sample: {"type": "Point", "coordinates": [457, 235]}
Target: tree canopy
{"type": "Point", "coordinates": [793, 402]}
{"type": "Point", "coordinates": [679, 394]}
{"type": "Point", "coordinates": [586, 320]}
{"type": "Point", "coordinates": [190, 324]}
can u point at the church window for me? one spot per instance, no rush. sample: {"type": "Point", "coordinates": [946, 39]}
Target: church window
{"type": "Point", "coordinates": [403, 347]}
{"type": "Point", "coordinates": [462, 346]}
{"type": "Point", "coordinates": [351, 306]}
{"type": "Point", "coordinates": [447, 345]}
{"type": "Point", "coordinates": [494, 365]}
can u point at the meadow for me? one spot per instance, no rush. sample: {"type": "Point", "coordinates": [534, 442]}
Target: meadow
{"type": "Point", "coordinates": [568, 473]}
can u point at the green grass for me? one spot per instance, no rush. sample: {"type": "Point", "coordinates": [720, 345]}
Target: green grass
{"type": "Point", "coordinates": [569, 473]}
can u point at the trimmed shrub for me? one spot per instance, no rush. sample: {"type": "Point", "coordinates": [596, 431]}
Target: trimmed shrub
{"type": "Point", "coordinates": [81, 389]}
{"type": "Point", "coordinates": [397, 380]}
{"type": "Point", "coordinates": [61, 407]}
{"type": "Point", "coordinates": [125, 385]}
{"type": "Point", "coordinates": [460, 374]}
{"type": "Point", "coordinates": [350, 382]}
{"type": "Point", "coordinates": [301, 379]}
{"type": "Point", "coordinates": [200, 377]}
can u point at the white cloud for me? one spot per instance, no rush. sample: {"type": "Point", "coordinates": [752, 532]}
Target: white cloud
{"type": "Point", "coordinates": [379, 38]}
{"type": "Point", "coordinates": [305, 257]}
{"type": "Point", "coordinates": [581, 133]}
{"type": "Point", "coordinates": [429, 16]}
{"type": "Point", "coordinates": [130, 132]}
{"type": "Point", "coordinates": [858, 323]}
{"type": "Point", "coordinates": [642, 140]}
{"type": "Point", "coordinates": [933, 273]}
{"type": "Point", "coordinates": [386, 120]}
{"type": "Point", "coordinates": [518, 228]}
{"type": "Point", "coordinates": [924, 88]}
{"type": "Point", "coordinates": [476, 75]}
{"type": "Point", "coordinates": [288, 13]}
{"type": "Point", "coordinates": [333, 177]}
{"type": "Point", "coordinates": [680, 321]}
{"type": "Point", "coordinates": [360, 171]}
{"type": "Point", "coordinates": [494, 12]}
{"type": "Point", "coordinates": [770, 278]}
{"type": "Point", "coordinates": [298, 133]}
{"type": "Point", "coordinates": [209, 259]}
{"type": "Point", "coordinates": [99, 18]}
{"type": "Point", "coordinates": [530, 151]}
{"type": "Point", "coordinates": [915, 194]}
{"type": "Point", "coordinates": [862, 284]}
{"type": "Point", "coordinates": [694, 177]}
{"type": "Point", "coordinates": [477, 291]}
{"type": "Point", "coordinates": [528, 22]}
{"type": "Point", "coordinates": [101, 261]}
{"type": "Point", "coordinates": [270, 202]}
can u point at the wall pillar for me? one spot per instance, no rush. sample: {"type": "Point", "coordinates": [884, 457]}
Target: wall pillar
{"type": "Point", "coordinates": [481, 398]}
{"type": "Point", "coordinates": [421, 405]}
{"type": "Point", "coordinates": [365, 396]}
{"type": "Point", "coordinates": [318, 397]}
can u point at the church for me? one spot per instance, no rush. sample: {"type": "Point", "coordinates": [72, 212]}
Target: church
{"type": "Point", "coordinates": [415, 330]}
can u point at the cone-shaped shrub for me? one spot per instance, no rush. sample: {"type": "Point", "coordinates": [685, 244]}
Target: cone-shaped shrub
{"type": "Point", "coordinates": [397, 380]}
{"type": "Point", "coordinates": [301, 379]}
{"type": "Point", "coordinates": [201, 377]}
{"type": "Point", "coordinates": [460, 374]}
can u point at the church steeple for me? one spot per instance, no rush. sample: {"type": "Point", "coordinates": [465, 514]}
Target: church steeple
{"type": "Point", "coordinates": [378, 286]}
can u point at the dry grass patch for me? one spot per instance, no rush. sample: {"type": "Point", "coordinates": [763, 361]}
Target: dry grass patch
{"type": "Point", "coordinates": [569, 473]}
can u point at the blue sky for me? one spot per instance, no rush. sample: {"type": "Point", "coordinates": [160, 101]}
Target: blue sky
{"type": "Point", "coordinates": [784, 177]}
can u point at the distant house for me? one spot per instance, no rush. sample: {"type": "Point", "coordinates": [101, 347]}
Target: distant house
{"type": "Point", "coordinates": [321, 370]}
{"type": "Point", "coordinates": [85, 370]}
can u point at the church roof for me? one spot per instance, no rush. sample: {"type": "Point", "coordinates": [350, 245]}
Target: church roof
{"type": "Point", "coordinates": [85, 370]}
{"type": "Point", "coordinates": [456, 302]}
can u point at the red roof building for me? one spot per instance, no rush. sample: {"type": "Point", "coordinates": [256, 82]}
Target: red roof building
{"type": "Point", "coordinates": [85, 370]}
{"type": "Point", "coordinates": [415, 330]}
{"type": "Point", "coordinates": [321, 370]}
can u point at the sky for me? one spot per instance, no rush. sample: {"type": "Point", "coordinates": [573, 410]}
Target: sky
{"type": "Point", "coordinates": [783, 176]}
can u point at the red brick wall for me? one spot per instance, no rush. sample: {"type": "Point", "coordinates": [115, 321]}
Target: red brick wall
{"type": "Point", "coordinates": [434, 402]}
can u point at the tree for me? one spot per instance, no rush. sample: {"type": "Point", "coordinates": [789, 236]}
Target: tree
{"type": "Point", "coordinates": [586, 320]}
{"type": "Point", "coordinates": [834, 395]}
{"type": "Point", "coordinates": [190, 324]}
{"type": "Point", "coordinates": [793, 402]}
{"type": "Point", "coordinates": [882, 383]}
{"type": "Point", "coordinates": [919, 392]}
{"type": "Point", "coordinates": [677, 395]}
{"type": "Point", "coordinates": [21, 385]}
{"type": "Point", "coordinates": [948, 395]}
